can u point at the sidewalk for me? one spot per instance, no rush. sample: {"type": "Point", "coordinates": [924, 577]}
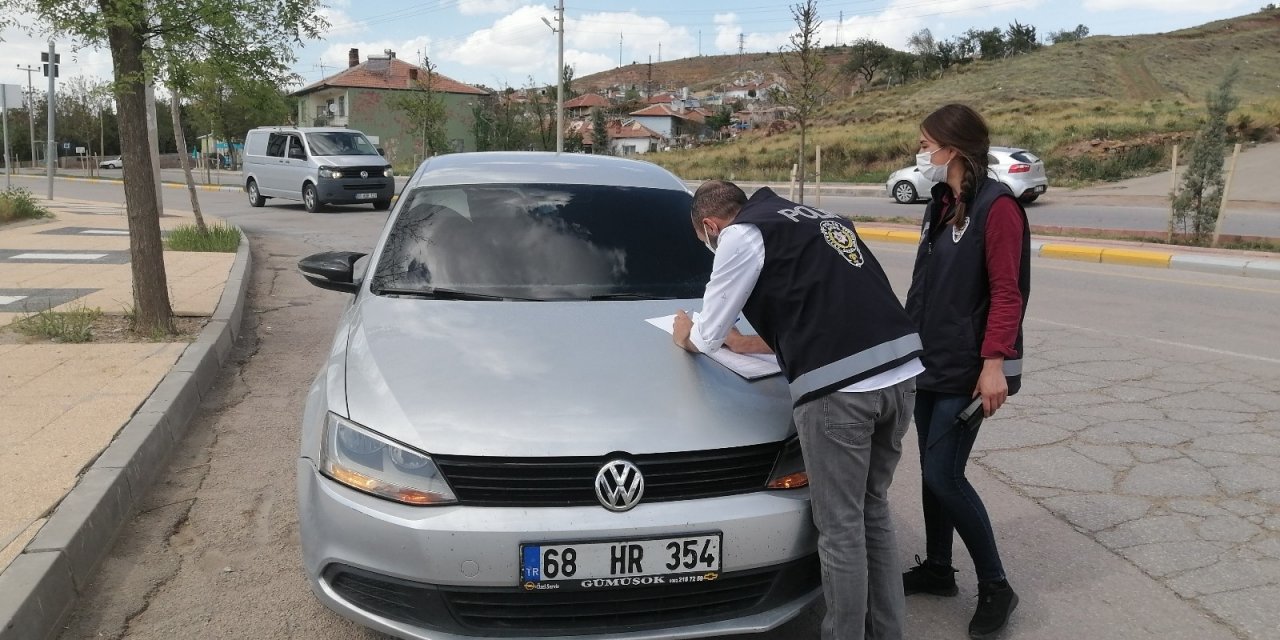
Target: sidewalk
{"type": "Point", "coordinates": [66, 403]}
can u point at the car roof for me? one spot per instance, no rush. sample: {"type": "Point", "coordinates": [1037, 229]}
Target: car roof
{"type": "Point", "coordinates": [1007, 150]}
{"type": "Point", "coordinates": [533, 167]}
{"type": "Point", "coordinates": [307, 129]}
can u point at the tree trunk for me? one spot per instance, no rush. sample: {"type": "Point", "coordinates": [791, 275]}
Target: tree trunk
{"type": "Point", "coordinates": [180, 138]}
{"type": "Point", "coordinates": [153, 313]}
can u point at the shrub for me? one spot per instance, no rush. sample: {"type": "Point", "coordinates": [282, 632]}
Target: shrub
{"type": "Point", "coordinates": [75, 325]}
{"type": "Point", "coordinates": [218, 237]}
{"type": "Point", "coordinates": [17, 204]}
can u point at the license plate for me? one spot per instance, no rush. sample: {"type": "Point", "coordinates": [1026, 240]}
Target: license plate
{"type": "Point", "coordinates": [620, 563]}
{"type": "Point", "coordinates": [1041, 189]}
{"type": "Point", "coordinates": [366, 196]}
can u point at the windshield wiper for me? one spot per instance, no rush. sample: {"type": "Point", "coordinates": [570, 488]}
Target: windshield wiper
{"type": "Point", "coordinates": [440, 294]}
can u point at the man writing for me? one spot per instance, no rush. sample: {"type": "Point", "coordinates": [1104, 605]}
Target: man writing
{"type": "Point", "coordinates": [819, 300]}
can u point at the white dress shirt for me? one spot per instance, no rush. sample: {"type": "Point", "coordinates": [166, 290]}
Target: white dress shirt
{"type": "Point", "coordinates": [734, 272]}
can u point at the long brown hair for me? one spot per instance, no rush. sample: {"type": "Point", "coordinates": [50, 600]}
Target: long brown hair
{"type": "Point", "coordinates": [961, 128]}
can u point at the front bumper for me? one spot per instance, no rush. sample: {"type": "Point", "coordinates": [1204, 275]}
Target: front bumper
{"type": "Point", "coordinates": [450, 572]}
{"type": "Point", "coordinates": [356, 190]}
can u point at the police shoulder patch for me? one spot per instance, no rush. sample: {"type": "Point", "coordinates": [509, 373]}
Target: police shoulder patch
{"type": "Point", "coordinates": [843, 240]}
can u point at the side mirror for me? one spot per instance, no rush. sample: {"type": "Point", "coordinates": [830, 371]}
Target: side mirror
{"type": "Point", "coordinates": [331, 270]}
{"type": "Point", "coordinates": [381, 152]}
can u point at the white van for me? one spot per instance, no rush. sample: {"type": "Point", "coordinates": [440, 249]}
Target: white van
{"type": "Point", "coordinates": [317, 165]}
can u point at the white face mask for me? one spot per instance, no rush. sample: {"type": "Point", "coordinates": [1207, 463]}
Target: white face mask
{"type": "Point", "coordinates": [707, 232]}
{"type": "Point", "coordinates": [931, 171]}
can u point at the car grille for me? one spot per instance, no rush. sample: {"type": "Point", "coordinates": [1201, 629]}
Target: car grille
{"type": "Point", "coordinates": [363, 186]}
{"type": "Point", "coordinates": [513, 611]}
{"type": "Point", "coordinates": [547, 482]}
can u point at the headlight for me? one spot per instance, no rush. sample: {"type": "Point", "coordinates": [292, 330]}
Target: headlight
{"type": "Point", "coordinates": [368, 462]}
{"type": "Point", "coordinates": [388, 173]}
{"type": "Point", "coordinates": [333, 174]}
{"type": "Point", "coordinates": [788, 471]}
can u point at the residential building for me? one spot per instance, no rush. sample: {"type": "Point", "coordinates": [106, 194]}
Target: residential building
{"type": "Point", "coordinates": [626, 137]}
{"type": "Point", "coordinates": [362, 97]}
{"type": "Point", "coordinates": [581, 106]}
{"type": "Point", "coordinates": [670, 122]}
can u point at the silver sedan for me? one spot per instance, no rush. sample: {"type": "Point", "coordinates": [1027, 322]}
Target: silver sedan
{"type": "Point", "coordinates": [1022, 170]}
{"type": "Point", "coordinates": [499, 444]}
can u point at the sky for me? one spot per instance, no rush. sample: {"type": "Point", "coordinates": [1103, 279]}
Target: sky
{"type": "Point", "coordinates": [501, 43]}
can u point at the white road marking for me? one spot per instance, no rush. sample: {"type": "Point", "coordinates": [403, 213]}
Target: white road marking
{"type": "Point", "coordinates": [58, 256]}
{"type": "Point", "coordinates": [10, 299]}
{"type": "Point", "coordinates": [105, 232]}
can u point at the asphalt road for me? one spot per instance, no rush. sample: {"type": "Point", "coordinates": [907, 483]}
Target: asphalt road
{"type": "Point", "coordinates": [214, 552]}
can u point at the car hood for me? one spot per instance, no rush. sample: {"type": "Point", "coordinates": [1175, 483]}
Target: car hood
{"type": "Point", "coordinates": [353, 161]}
{"type": "Point", "coordinates": [547, 379]}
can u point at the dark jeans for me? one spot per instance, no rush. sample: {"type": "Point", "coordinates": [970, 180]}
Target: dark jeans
{"type": "Point", "coordinates": [950, 502]}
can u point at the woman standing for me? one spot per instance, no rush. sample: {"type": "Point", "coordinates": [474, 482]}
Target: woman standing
{"type": "Point", "coordinates": [968, 297]}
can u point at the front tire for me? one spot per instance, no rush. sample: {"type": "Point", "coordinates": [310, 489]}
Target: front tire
{"type": "Point", "coordinates": [904, 192]}
{"type": "Point", "coordinates": [1028, 199]}
{"type": "Point", "coordinates": [255, 198]}
{"type": "Point", "coordinates": [381, 205]}
{"type": "Point", "coordinates": [311, 199]}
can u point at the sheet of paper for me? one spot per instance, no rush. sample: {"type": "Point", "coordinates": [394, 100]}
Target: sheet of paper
{"type": "Point", "coordinates": [750, 366]}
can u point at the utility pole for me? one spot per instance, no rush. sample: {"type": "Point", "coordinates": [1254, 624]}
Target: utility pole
{"type": "Point", "coordinates": [51, 70]}
{"type": "Point", "coordinates": [839, 42]}
{"type": "Point", "coordinates": [699, 43]}
{"type": "Point", "coordinates": [559, 31]}
{"type": "Point", "coordinates": [659, 53]}
{"type": "Point", "coordinates": [31, 110]}
{"type": "Point", "coordinates": [648, 85]}
{"type": "Point", "coordinates": [619, 49]}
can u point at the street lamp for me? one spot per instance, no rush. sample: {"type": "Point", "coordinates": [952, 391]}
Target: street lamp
{"type": "Point", "coordinates": [559, 75]}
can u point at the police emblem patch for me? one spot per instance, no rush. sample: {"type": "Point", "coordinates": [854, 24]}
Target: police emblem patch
{"type": "Point", "coordinates": [842, 239]}
{"type": "Point", "coordinates": [957, 232]}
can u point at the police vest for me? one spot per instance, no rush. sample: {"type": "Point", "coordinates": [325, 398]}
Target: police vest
{"type": "Point", "coordinates": [822, 302]}
{"type": "Point", "coordinates": [950, 294]}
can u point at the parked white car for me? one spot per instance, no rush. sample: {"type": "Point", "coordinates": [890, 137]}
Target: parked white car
{"type": "Point", "coordinates": [1022, 170]}
{"type": "Point", "coordinates": [112, 163]}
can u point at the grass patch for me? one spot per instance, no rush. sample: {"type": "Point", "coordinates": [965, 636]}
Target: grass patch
{"type": "Point", "coordinates": [73, 326]}
{"type": "Point", "coordinates": [219, 237]}
{"type": "Point", "coordinates": [17, 204]}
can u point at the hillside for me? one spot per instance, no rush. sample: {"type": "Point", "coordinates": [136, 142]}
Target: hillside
{"type": "Point", "coordinates": [1102, 108]}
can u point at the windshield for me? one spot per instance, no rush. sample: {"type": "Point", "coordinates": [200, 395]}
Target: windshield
{"type": "Point", "coordinates": [340, 143]}
{"type": "Point", "coordinates": [544, 242]}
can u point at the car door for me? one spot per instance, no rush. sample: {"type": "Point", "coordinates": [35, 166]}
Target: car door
{"type": "Point", "coordinates": [297, 167]}
{"type": "Point", "coordinates": [272, 176]}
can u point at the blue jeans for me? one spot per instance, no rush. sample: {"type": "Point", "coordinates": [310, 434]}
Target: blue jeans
{"type": "Point", "coordinates": [951, 505]}
{"type": "Point", "coordinates": [851, 444]}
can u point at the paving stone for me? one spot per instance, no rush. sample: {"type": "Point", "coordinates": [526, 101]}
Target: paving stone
{"type": "Point", "coordinates": [1228, 529]}
{"type": "Point", "coordinates": [1269, 547]}
{"type": "Point", "coordinates": [1055, 466]}
{"type": "Point", "coordinates": [1252, 610]}
{"type": "Point", "coordinates": [1149, 530]}
{"type": "Point", "coordinates": [1270, 497]}
{"type": "Point", "coordinates": [1163, 558]}
{"type": "Point", "coordinates": [1199, 400]}
{"type": "Point", "coordinates": [1132, 432]}
{"type": "Point", "coordinates": [1212, 459]}
{"type": "Point", "coordinates": [1171, 478]}
{"type": "Point", "coordinates": [1212, 415]}
{"type": "Point", "coordinates": [1245, 443]}
{"type": "Point", "coordinates": [1117, 371]}
{"type": "Point", "coordinates": [1243, 507]}
{"type": "Point", "coordinates": [1040, 493]}
{"type": "Point", "coordinates": [1114, 456]}
{"type": "Point", "coordinates": [1197, 508]}
{"type": "Point", "coordinates": [1122, 411]}
{"type": "Point", "coordinates": [1226, 576]}
{"type": "Point", "coordinates": [1246, 478]}
{"type": "Point", "coordinates": [1267, 400]}
{"type": "Point", "coordinates": [1011, 435]}
{"type": "Point", "coordinates": [1154, 454]}
{"type": "Point", "coordinates": [1127, 393]}
{"type": "Point", "coordinates": [1095, 512]}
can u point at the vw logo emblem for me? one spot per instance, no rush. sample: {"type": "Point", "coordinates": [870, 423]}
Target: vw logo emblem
{"type": "Point", "coordinates": [364, 174]}
{"type": "Point", "coordinates": [619, 485]}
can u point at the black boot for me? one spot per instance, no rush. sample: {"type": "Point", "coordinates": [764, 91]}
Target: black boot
{"type": "Point", "coordinates": [930, 577]}
{"type": "Point", "coordinates": [996, 600]}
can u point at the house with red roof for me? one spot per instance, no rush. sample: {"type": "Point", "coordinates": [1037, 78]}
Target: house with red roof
{"type": "Point", "coordinates": [671, 122]}
{"type": "Point", "coordinates": [581, 106]}
{"type": "Point", "coordinates": [362, 97]}
{"type": "Point", "coordinates": [626, 137]}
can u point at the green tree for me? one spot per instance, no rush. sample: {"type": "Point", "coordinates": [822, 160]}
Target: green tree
{"type": "Point", "coordinates": [990, 44]}
{"type": "Point", "coordinates": [255, 37]}
{"type": "Point", "coordinates": [1075, 35]}
{"type": "Point", "coordinates": [424, 108]}
{"type": "Point", "coordinates": [599, 133]}
{"type": "Point", "coordinates": [901, 66]}
{"type": "Point", "coordinates": [1020, 38]}
{"type": "Point", "coordinates": [808, 81]}
{"type": "Point", "coordinates": [922, 44]}
{"type": "Point", "coordinates": [1195, 207]}
{"type": "Point", "coordinates": [868, 57]}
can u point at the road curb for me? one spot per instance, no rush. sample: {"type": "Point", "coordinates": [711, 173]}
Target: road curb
{"type": "Point", "coordinates": [230, 188]}
{"type": "Point", "coordinates": [1230, 265]}
{"type": "Point", "coordinates": [38, 589]}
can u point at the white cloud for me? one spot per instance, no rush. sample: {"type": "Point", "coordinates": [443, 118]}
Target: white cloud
{"type": "Point", "coordinates": [334, 58]}
{"type": "Point", "coordinates": [728, 31]}
{"type": "Point", "coordinates": [20, 49]}
{"type": "Point", "coordinates": [642, 36]}
{"type": "Point", "coordinates": [901, 18]}
{"type": "Point", "coordinates": [478, 7]}
{"type": "Point", "coordinates": [518, 43]}
{"type": "Point", "coordinates": [340, 23]}
{"type": "Point", "coordinates": [1164, 6]}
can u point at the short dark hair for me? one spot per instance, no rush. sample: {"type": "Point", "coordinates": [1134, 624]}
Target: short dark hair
{"type": "Point", "coordinates": [717, 199]}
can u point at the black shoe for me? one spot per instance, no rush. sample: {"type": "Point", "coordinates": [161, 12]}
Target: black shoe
{"type": "Point", "coordinates": [930, 577]}
{"type": "Point", "coordinates": [996, 600]}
